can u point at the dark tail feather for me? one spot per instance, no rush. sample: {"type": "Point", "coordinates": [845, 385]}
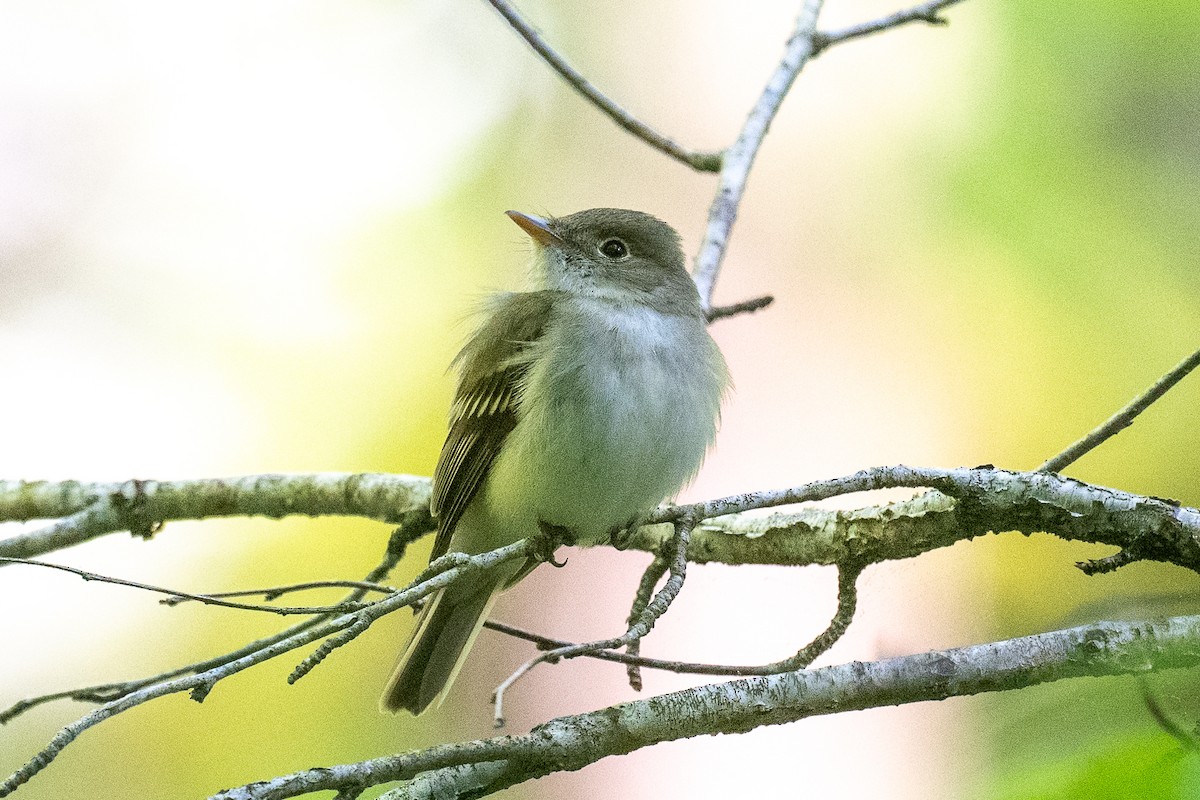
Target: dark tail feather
{"type": "Point", "coordinates": [445, 631]}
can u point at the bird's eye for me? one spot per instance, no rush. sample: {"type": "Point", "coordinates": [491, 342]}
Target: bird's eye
{"type": "Point", "coordinates": [614, 248]}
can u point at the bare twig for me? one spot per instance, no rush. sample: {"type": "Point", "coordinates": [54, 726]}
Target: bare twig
{"type": "Point", "coordinates": [310, 662]}
{"type": "Point", "coordinates": [926, 12]}
{"type": "Point", "coordinates": [110, 692]}
{"type": "Point", "coordinates": [1123, 418]}
{"type": "Point", "coordinates": [637, 629]}
{"type": "Point", "coordinates": [666, 665]}
{"type": "Point", "coordinates": [176, 595]}
{"type": "Point", "coordinates": [650, 578]}
{"type": "Point", "coordinates": [847, 602]}
{"type": "Point", "coordinates": [704, 162]}
{"type": "Point", "coordinates": [570, 743]}
{"type": "Point", "coordinates": [275, 592]}
{"type": "Point", "coordinates": [459, 563]}
{"type": "Point", "coordinates": [739, 158]}
{"type": "Point", "coordinates": [1111, 563]}
{"type": "Point", "coordinates": [630, 660]}
{"type": "Point", "coordinates": [87, 523]}
{"type": "Point", "coordinates": [744, 307]}
{"type": "Point", "coordinates": [439, 574]}
{"type": "Point", "coordinates": [412, 527]}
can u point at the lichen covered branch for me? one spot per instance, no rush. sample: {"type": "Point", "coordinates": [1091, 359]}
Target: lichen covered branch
{"type": "Point", "coordinates": [569, 743]}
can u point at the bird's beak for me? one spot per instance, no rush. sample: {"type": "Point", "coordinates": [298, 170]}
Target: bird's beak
{"type": "Point", "coordinates": [536, 227]}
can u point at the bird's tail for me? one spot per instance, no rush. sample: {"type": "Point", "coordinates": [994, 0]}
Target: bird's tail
{"type": "Point", "coordinates": [444, 634]}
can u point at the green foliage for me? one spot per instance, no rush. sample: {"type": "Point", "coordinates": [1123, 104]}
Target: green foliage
{"type": "Point", "coordinates": [1146, 765]}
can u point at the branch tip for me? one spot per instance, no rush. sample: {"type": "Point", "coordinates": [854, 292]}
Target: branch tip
{"type": "Point", "coordinates": [1110, 563]}
{"type": "Point", "coordinates": [929, 13]}
{"type": "Point", "coordinates": [697, 160]}
{"type": "Point", "coordinates": [1123, 418]}
{"type": "Point", "coordinates": [744, 307]}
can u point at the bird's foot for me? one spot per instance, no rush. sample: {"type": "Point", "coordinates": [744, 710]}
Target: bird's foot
{"type": "Point", "coordinates": [552, 537]}
{"type": "Point", "coordinates": [620, 537]}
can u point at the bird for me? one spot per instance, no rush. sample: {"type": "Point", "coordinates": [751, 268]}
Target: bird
{"type": "Point", "coordinates": [581, 405]}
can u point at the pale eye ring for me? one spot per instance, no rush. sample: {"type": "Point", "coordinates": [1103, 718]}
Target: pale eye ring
{"type": "Point", "coordinates": [614, 248]}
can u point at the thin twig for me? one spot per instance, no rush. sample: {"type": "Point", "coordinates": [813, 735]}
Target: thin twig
{"type": "Point", "coordinates": [275, 592]}
{"type": "Point", "coordinates": [637, 629]}
{"type": "Point", "coordinates": [847, 602]}
{"type": "Point", "coordinates": [650, 578]}
{"type": "Point", "coordinates": [616, 656]}
{"type": "Point", "coordinates": [176, 595]}
{"type": "Point", "coordinates": [926, 12]}
{"type": "Point", "coordinates": [1110, 563]}
{"type": "Point", "coordinates": [412, 526]}
{"type": "Point", "coordinates": [448, 569]}
{"type": "Point", "coordinates": [739, 158]}
{"type": "Point", "coordinates": [1123, 418]}
{"type": "Point", "coordinates": [703, 162]}
{"type": "Point", "coordinates": [744, 307]}
{"type": "Point", "coordinates": [326, 647]}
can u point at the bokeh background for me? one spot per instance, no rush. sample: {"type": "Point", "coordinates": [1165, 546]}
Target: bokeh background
{"type": "Point", "coordinates": [246, 237]}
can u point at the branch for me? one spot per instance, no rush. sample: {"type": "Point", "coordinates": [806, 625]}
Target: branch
{"type": "Point", "coordinates": [641, 598]}
{"type": "Point", "coordinates": [926, 12]}
{"type": "Point", "coordinates": [639, 627]}
{"type": "Point", "coordinates": [142, 507]}
{"type": "Point", "coordinates": [683, 667]}
{"type": "Point", "coordinates": [1123, 418]}
{"type": "Point", "coordinates": [440, 573]}
{"type": "Point", "coordinates": [634, 661]}
{"type": "Point", "coordinates": [967, 503]}
{"type": "Point", "coordinates": [976, 501]}
{"type": "Point", "coordinates": [703, 162]}
{"type": "Point", "coordinates": [573, 742]}
{"type": "Point", "coordinates": [412, 527]}
{"type": "Point", "coordinates": [842, 617]}
{"type": "Point", "coordinates": [174, 596]}
{"type": "Point", "coordinates": [275, 592]}
{"type": "Point", "coordinates": [739, 158]}
{"type": "Point", "coordinates": [745, 307]}
{"type": "Point", "coordinates": [107, 692]}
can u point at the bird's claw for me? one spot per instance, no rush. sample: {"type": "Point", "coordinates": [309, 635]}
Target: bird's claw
{"type": "Point", "coordinates": [621, 537]}
{"type": "Point", "coordinates": [552, 537]}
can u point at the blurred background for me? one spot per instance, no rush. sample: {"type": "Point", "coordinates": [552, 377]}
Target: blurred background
{"type": "Point", "coordinates": [247, 237]}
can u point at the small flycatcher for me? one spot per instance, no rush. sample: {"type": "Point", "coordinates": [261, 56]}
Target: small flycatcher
{"type": "Point", "coordinates": [582, 405]}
